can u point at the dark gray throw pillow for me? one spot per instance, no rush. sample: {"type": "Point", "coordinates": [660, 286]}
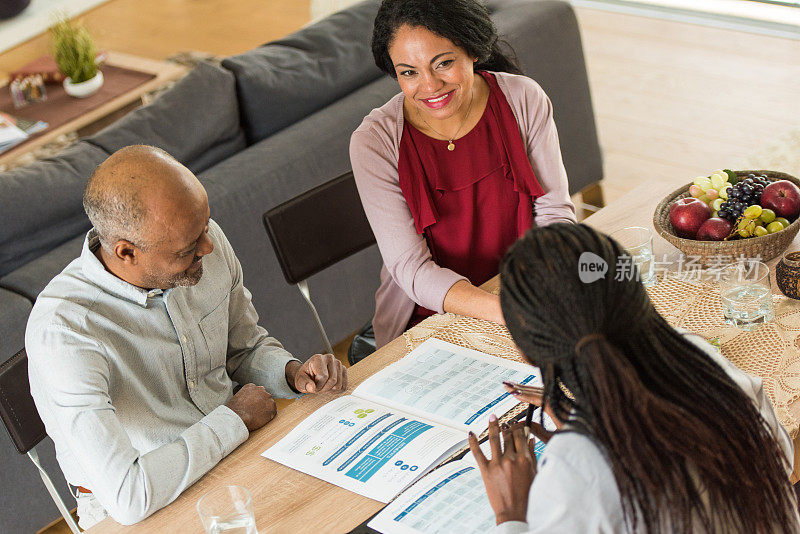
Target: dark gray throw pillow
{"type": "Point", "coordinates": [41, 204]}
{"type": "Point", "coordinates": [286, 80]}
{"type": "Point", "coordinates": [196, 121]}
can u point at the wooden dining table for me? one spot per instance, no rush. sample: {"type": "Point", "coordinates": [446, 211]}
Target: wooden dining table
{"type": "Point", "coordinates": [286, 500]}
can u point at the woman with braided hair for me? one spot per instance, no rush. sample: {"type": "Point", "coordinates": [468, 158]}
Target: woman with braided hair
{"type": "Point", "coordinates": [657, 431]}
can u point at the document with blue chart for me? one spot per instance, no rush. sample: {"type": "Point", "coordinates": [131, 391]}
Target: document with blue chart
{"type": "Point", "coordinates": [450, 499]}
{"type": "Point", "coordinates": [402, 421]}
{"type": "Point", "coordinates": [448, 384]}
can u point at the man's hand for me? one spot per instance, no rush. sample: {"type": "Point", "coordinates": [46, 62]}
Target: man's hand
{"type": "Point", "coordinates": [509, 474]}
{"type": "Point", "coordinates": [254, 405]}
{"type": "Point", "coordinates": [320, 373]}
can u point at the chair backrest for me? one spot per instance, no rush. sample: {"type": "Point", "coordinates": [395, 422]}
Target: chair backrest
{"type": "Point", "coordinates": [318, 228]}
{"type": "Point", "coordinates": [16, 404]}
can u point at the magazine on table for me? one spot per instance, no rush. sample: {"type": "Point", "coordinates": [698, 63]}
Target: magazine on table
{"type": "Point", "coordinates": [14, 130]}
{"type": "Point", "coordinates": [404, 420]}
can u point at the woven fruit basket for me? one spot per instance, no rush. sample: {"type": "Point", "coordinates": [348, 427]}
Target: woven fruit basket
{"type": "Point", "coordinates": [710, 252]}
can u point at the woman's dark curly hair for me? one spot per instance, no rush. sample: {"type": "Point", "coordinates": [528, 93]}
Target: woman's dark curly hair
{"type": "Point", "coordinates": [464, 22]}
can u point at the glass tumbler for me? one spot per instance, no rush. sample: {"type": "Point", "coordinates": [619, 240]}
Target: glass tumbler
{"type": "Point", "coordinates": [638, 242]}
{"type": "Point", "coordinates": [227, 510]}
{"type": "Point", "coordinates": [746, 294]}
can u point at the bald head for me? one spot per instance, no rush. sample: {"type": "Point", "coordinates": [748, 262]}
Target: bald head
{"type": "Point", "coordinates": [136, 194]}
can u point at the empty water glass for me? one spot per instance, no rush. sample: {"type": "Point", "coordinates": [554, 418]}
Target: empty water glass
{"type": "Point", "coordinates": [227, 510]}
{"type": "Point", "coordinates": [746, 294]}
{"type": "Point", "coordinates": [638, 242]}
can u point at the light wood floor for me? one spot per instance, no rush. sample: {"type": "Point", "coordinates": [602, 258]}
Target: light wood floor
{"type": "Point", "coordinates": [679, 100]}
{"type": "Point", "coordinates": [672, 100]}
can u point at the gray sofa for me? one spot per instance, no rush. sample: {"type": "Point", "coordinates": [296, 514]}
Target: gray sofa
{"type": "Point", "coordinates": [257, 130]}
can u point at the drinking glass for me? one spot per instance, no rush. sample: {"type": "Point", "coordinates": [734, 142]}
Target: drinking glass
{"type": "Point", "coordinates": [638, 242]}
{"type": "Point", "coordinates": [746, 294]}
{"type": "Point", "coordinates": [227, 510]}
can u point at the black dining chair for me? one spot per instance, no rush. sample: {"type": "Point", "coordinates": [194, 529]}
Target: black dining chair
{"type": "Point", "coordinates": [24, 424]}
{"type": "Point", "coordinates": [315, 230]}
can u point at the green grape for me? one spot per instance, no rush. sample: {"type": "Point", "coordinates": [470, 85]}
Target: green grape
{"type": "Point", "coordinates": [774, 226]}
{"type": "Point", "coordinates": [723, 192]}
{"type": "Point", "coordinates": [760, 231]}
{"type": "Point", "coordinates": [717, 180]}
{"type": "Point", "coordinates": [744, 233]}
{"type": "Point", "coordinates": [704, 184]}
{"type": "Point", "coordinates": [753, 212]}
{"type": "Point", "coordinates": [767, 215]}
{"type": "Point", "coordinates": [784, 222]}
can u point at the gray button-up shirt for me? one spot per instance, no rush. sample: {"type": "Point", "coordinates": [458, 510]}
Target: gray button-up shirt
{"type": "Point", "coordinates": [131, 384]}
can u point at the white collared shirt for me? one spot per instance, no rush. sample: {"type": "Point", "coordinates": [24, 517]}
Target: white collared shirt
{"type": "Point", "coordinates": [131, 384]}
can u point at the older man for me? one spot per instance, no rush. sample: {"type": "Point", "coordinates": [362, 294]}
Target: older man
{"type": "Point", "coordinates": [133, 349]}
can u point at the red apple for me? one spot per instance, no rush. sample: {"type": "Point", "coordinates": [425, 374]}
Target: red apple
{"type": "Point", "coordinates": [782, 197]}
{"type": "Point", "coordinates": [687, 215]}
{"type": "Point", "coordinates": [714, 229]}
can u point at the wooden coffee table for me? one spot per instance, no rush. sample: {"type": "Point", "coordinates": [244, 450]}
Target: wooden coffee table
{"type": "Point", "coordinates": [110, 111]}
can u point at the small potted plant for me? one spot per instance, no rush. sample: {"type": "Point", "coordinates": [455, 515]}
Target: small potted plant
{"type": "Point", "coordinates": [76, 56]}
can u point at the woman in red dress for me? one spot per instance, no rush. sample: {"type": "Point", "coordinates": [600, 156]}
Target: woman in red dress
{"type": "Point", "coordinates": [456, 167]}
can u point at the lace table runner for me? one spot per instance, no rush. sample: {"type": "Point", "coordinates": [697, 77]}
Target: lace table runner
{"type": "Point", "coordinates": [771, 352]}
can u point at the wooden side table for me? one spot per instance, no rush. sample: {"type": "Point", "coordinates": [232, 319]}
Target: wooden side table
{"type": "Point", "coordinates": [100, 117]}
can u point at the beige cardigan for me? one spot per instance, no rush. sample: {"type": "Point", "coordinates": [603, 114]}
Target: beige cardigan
{"type": "Point", "coordinates": [409, 274]}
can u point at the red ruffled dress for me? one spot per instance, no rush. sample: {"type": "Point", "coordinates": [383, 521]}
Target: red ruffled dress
{"type": "Point", "coordinates": [471, 203]}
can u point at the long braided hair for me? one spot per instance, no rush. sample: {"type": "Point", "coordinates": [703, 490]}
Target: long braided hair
{"type": "Point", "coordinates": [685, 444]}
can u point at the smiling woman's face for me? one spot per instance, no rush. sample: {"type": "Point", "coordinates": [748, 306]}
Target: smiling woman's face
{"type": "Point", "coordinates": [435, 75]}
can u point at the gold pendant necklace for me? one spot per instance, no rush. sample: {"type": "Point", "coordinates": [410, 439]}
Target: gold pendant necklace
{"type": "Point", "coordinates": [450, 144]}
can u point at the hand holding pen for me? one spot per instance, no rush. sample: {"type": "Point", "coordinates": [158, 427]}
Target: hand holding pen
{"type": "Point", "coordinates": [533, 395]}
{"type": "Point", "coordinates": [509, 472]}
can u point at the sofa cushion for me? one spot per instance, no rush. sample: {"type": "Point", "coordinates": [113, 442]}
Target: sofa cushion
{"type": "Point", "coordinates": [41, 204]}
{"type": "Point", "coordinates": [285, 80]}
{"type": "Point", "coordinates": [14, 310]}
{"type": "Point", "coordinates": [241, 188]}
{"type": "Point", "coordinates": [197, 121]}
{"type": "Point", "coordinates": [29, 279]}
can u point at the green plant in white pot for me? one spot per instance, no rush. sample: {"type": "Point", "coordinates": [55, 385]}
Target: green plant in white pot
{"type": "Point", "coordinates": [76, 56]}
